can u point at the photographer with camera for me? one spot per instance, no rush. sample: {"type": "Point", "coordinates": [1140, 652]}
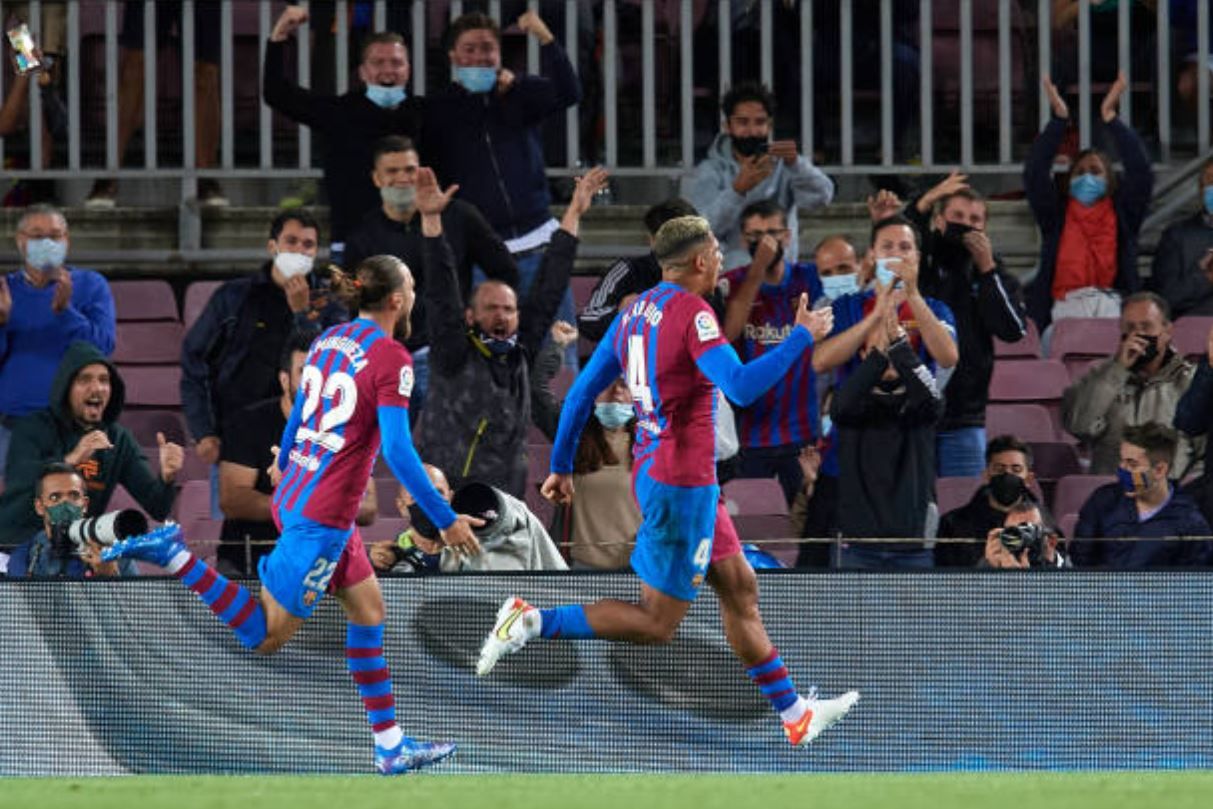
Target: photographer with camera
{"type": "Point", "coordinates": [81, 429]}
{"type": "Point", "coordinates": [1025, 540]}
{"type": "Point", "coordinates": [69, 544]}
{"type": "Point", "coordinates": [1143, 382]}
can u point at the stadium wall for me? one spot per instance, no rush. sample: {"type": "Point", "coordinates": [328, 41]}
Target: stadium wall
{"type": "Point", "coordinates": [958, 671]}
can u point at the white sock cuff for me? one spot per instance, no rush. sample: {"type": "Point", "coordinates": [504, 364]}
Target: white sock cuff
{"type": "Point", "coordinates": [178, 561]}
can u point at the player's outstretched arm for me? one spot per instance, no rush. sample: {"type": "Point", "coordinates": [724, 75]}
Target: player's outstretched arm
{"type": "Point", "coordinates": [602, 369]}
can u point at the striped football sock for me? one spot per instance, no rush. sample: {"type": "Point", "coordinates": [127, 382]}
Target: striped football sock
{"type": "Point", "coordinates": [364, 655]}
{"type": "Point", "coordinates": [230, 602]}
{"type": "Point", "coordinates": [772, 678]}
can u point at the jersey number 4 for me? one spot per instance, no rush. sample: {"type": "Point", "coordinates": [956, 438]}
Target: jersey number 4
{"type": "Point", "coordinates": [340, 387]}
{"type": "Point", "coordinates": [638, 377]}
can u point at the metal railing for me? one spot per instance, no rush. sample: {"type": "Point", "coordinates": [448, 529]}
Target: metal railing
{"type": "Point", "coordinates": [856, 132]}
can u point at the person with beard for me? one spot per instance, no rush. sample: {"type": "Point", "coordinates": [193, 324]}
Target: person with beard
{"type": "Point", "coordinates": [481, 354]}
{"type": "Point", "coordinates": [244, 483]}
{"type": "Point", "coordinates": [350, 123]}
{"type": "Point", "coordinates": [354, 388]}
{"type": "Point", "coordinates": [1007, 482]}
{"type": "Point", "coordinates": [760, 312]}
{"type": "Point", "coordinates": [394, 229]}
{"type": "Point", "coordinates": [744, 165]}
{"type": "Point", "coordinates": [80, 428]}
{"type": "Point", "coordinates": [1143, 382]}
{"type": "Point", "coordinates": [960, 268]}
{"type": "Point", "coordinates": [884, 415]}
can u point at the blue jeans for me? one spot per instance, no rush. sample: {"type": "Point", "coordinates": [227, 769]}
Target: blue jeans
{"type": "Point", "coordinates": [528, 271]}
{"type": "Point", "coordinates": [866, 557]}
{"type": "Point", "coordinates": [421, 383]}
{"type": "Point", "coordinates": [778, 462]}
{"type": "Point", "coordinates": [961, 453]}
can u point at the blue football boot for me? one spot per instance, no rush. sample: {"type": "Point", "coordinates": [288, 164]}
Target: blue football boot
{"type": "Point", "coordinates": [158, 547]}
{"type": "Point", "coordinates": [409, 755]}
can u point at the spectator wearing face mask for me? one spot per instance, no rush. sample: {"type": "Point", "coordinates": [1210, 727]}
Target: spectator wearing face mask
{"type": "Point", "coordinates": [230, 356]}
{"type": "Point", "coordinates": [350, 124]}
{"type": "Point", "coordinates": [1183, 262]}
{"type": "Point", "coordinates": [1142, 382]}
{"type": "Point", "coordinates": [1007, 481]}
{"type": "Point", "coordinates": [1088, 247]}
{"type": "Point", "coordinates": [960, 268]}
{"type": "Point", "coordinates": [760, 312]}
{"type": "Point", "coordinates": [44, 307]}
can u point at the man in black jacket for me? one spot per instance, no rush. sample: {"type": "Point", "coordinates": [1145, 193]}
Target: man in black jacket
{"type": "Point", "coordinates": [961, 269]}
{"type": "Point", "coordinates": [394, 229]}
{"type": "Point", "coordinates": [351, 123]}
{"type": "Point", "coordinates": [1007, 481]}
{"type": "Point", "coordinates": [480, 355]}
{"type": "Point", "coordinates": [1183, 262]}
{"type": "Point", "coordinates": [885, 415]}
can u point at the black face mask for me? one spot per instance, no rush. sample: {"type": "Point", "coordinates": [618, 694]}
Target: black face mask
{"type": "Point", "coordinates": [1149, 354]}
{"type": "Point", "coordinates": [753, 248]}
{"type": "Point", "coordinates": [422, 524]}
{"type": "Point", "coordinates": [748, 147]}
{"type": "Point", "coordinates": [954, 232]}
{"type": "Point", "coordinates": [1007, 489]}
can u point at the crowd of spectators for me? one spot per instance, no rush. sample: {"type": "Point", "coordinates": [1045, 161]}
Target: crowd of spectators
{"type": "Point", "coordinates": [857, 435]}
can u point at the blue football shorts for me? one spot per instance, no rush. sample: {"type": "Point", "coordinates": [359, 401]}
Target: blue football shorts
{"type": "Point", "coordinates": [298, 570]}
{"type": "Point", "coordinates": [674, 543]}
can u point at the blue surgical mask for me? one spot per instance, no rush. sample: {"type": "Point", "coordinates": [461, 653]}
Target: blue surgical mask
{"type": "Point", "coordinates": [386, 97]}
{"type": "Point", "coordinates": [45, 254]}
{"type": "Point", "coordinates": [884, 274]}
{"type": "Point", "coordinates": [613, 415]}
{"type": "Point", "coordinates": [1088, 189]}
{"type": "Point", "coordinates": [476, 79]}
{"type": "Point", "coordinates": [835, 286]}
{"type": "Point", "coordinates": [827, 425]}
{"type": "Point", "coordinates": [1208, 199]}
{"type": "Point", "coordinates": [1133, 482]}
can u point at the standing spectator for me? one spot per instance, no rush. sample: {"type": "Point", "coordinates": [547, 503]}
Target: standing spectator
{"type": "Point", "coordinates": [1184, 20]}
{"type": "Point", "coordinates": [350, 124]}
{"type": "Point", "coordinates": [1088, 247]}
{"type": "Point", "coordinates": [245, 490]}
{"type": "Point", "coordinates": [744, 165]}
{"type": "Point", "coordinates": [484, 134]}
{"type": "Point", "coordinates": [1143, 382]}
{"type": "Point", "coordinates": [1183, 261]}
{"type": "Point", "coordinates": [836, 260]}
{"type": "Point", "coordinates": [961, 269]}
{"type": "Point", "coordinates": [885, 414]}
{"type": "Point", "coordinates": [1007, 482]}
{"type": "Point", "coordinates": [44, 307]}
{"type": "Point", "coordinates": [60, 500]}
{"type": "Point", "coordinates": [80, 428]}
{"type": "Point", "coordinates": [230, 356]}
{"type": "Point", "coordinates": [394, 229]}
{"type": "Point", "coordinates": [1144, 505]}
{"type": "Point", "coordinates": [760, 312]}
{"type": "Point", "coordinates": [628, 277]}
{"type": "Point", "coordinates": [1193, 417]}
{"type": "Point", "coordinates": [207, 119]}
{"type": "Point", "coordinates": [480, 355]}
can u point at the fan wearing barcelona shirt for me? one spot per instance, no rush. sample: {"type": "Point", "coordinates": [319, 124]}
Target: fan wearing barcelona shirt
{"type": "Point", "coordinates": [760, 314]}
{"type": "Point", "coordinates": [673, 351]}
{"type": "Point", "coordinates": [354, 389]}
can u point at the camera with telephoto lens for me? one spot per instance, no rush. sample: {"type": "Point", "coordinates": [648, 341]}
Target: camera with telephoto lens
{"type": "Point", "coordinates": [1027, 536]}
{"type": "Point", "coordinates": [70, 539]}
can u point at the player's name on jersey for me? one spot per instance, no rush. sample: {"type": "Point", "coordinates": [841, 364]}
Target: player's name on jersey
{"type": "Point", "coordinates": [309, 462]}
{"type": "Point", "coordinates": [767, 334]}
{"type": "Point", "coordinates": [644, 309]}
{"type": "Point", "coordinates": [350, 348]}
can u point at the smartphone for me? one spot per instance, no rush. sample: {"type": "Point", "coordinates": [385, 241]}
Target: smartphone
{"type": "Point", "coordinates": [23, 48]}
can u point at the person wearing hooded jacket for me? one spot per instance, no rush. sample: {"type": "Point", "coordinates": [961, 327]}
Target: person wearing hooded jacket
{"type": "Point", "coordinates": [80, 428]}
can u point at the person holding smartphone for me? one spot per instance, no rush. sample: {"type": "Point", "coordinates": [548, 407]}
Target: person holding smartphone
{"type": "Point", "coordinates": [32, 63]}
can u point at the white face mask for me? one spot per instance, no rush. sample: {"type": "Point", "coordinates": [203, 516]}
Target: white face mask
{"type": "Point", "coordinates": [292, 264]}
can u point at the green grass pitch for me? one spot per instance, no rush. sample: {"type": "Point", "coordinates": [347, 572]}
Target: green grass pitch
{"type": "Point", "coordinates": [1009, 790]}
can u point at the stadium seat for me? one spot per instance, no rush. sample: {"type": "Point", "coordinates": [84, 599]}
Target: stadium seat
{"type": "Point", "coordinates": [952, 493]}
{"type": "Point", "coordinates": [148, 343]}
{"type": "Point", "coordinates": [1073, 491]}
{"type": "Point", "coordinates": [152, 385]}
{"type": "Point", "coordinates": [539, 460]}
{"type": "Point", "coordinates": [386, 489]}
{"type": "Point", "coordinates": [1054, 460]}
{"type": "Point", "coordinates": [1026, 349]}
{"type": "Point", "coordinates": [147, 300]}
{"type": "Point", "coordinates": [196, 297]}
{"type": "Point", "coordinates": [1027, 422]}
{"type": "Point", "coordinates": [1077, 340]}
{"type": "Point", "coordinates": [583, 287]}
{"type": "Point", "coordinates": [1040, 382]}
{"type": "Point", "coordinates": [1190, 336]}
{"type": "Point", "coordinates": [384, 529]}
{"type": "Point", "coordinates": [1066, 524]}
{"type": "Point", "coordinates": [1077, 369]}
{"type": "Point", "coordinates": [760, 512]}
{"type": "Point", "coordinates": [144, 424]}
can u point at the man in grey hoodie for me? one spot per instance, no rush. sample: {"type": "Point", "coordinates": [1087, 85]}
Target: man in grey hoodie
{"type": "Point", "coordinates": [744, 165]}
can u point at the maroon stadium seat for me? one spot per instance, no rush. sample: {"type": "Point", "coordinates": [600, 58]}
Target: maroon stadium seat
{"type": "Point", "coordinates": [386, 489]}
{"type": "Point", "coordinates": [952, 493]}
{"type": "Point", "coordinates": [144, 424]}
{"type": "Point", "coordinates": [1190, 336]}
{"type": "Point", "coordinates": [583, 287]}
{"type": "Point", "coordinates": [1027, 422]}
{"type": "Point", "coordinates": [760, 512]}
{"type": "Point", "coordinates": [144, 300]}
{"type": "Point", "coordinates": [1077, 340]}
{"type": "Point", "coordinates": [196, 297]}
{"type": "Point", "coordinates": [152, 385]}
{"type": "Point", "coordinates": [385, 529]}
{"type": "Point", "coordinates": [148, 343]}
{"type": "Point", "coordinates": [1039, 382]}
{"type": "Point", "coordinates": [1073, 491]}
{"type": "Point", "coordinates": [1026, 349]}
